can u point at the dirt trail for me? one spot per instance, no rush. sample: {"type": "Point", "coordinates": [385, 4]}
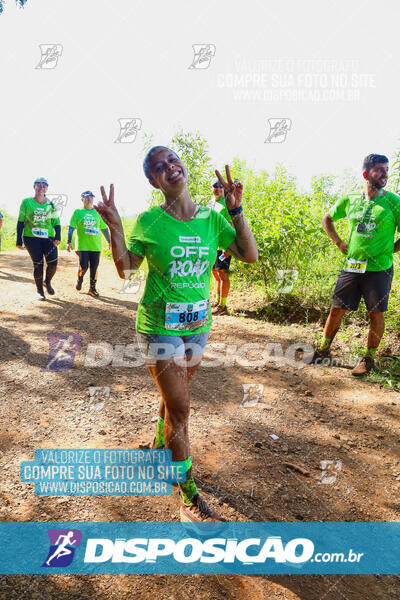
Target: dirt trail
{"type": "Point", "coordinates": [318, 413]}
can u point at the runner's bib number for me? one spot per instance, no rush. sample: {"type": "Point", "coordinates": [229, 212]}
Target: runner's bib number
{"type": "Point", "coordinates": [38, 232]}
{"type": "Point", "coordinates": [92, 230]}
{"type": "Point", "coordinates": [355, 266]}
{"type": "Point", "coordinates": [186, 315]}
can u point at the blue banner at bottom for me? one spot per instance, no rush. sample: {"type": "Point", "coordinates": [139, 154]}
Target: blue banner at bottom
{"type": "Point", "coordinates": [204, 548]}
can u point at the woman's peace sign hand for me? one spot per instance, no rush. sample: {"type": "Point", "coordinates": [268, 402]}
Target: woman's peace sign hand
{"type": "Point", "coordinates": [107, 209]}
{"type": "Point", "coordinates": [232, 189]}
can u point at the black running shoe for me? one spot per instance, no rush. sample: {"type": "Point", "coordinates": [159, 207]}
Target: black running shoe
{"type": "Point", "coordinates": [93, 292]}
{"type": "Point", "coordinates": [79, 283]}
{"type": "Point", "coordinates": [49, 288]}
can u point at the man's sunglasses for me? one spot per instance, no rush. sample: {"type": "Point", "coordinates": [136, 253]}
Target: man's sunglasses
{"type": "Point", "coordinates": [217, 185]}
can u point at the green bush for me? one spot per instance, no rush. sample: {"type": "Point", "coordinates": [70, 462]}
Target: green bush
{"type": "Point", "coordinates": [8, 231]}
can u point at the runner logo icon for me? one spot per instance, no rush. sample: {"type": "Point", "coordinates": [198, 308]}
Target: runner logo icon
{"type": "Point", "coordinates": [62, 351]}
{"type": "Point", "coordinates": [252, 394]}
{"type": "Point", "coordinates": [203, 53]}
{"type": "Point", "coordinates": [50, 53]}
{"type": "Point", "coordinates": [128, 129]}
{"type": "Point", "coordinates": [278, 129]}
{"type": "Point", "coordinates": [59, 201]}
{"type": "Point", "coordinates": [63, 543]}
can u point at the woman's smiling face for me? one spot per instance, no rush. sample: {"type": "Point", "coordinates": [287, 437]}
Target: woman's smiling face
{"type": "Point", "coordinates": [167, 172]}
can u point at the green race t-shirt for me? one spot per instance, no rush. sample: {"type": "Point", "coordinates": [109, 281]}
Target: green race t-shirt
{"type": "Point", "coordinates": [39, 219]}
{"type": "Point", "coordinates": [180, 256]}
{"type": "Point", "coordinates": [88, 224]}
{"type": "Point", "coordinates": [374, 240]}
{"type": "Point", "coordinates": [220, 207]}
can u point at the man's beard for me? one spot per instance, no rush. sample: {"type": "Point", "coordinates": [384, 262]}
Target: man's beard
{"type": "Point", "coordinates": [377, 185]}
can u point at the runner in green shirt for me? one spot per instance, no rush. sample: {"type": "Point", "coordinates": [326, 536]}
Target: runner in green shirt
{"type": "Point", "coordinates": [221, 266]}
{"type": "Point", "coordinates": [39, 226]}
{"type": "Point", "coordinates": [88, 224]}
{"type": "Point", "coordinates": [179, 240]}
{"type": "Point", "coordinates": [368, 268]}
{"type": "Point", "coordinates": [179, 269]}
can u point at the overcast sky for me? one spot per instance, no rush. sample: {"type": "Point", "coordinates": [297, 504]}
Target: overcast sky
{"type": "Point", "coordinates": [328, 69]}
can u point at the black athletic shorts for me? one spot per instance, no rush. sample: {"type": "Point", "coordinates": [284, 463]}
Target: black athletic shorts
{"type": "Point", "coordinates": [222, 263]}
{"type": "Point", "coordinates": [373, 286]}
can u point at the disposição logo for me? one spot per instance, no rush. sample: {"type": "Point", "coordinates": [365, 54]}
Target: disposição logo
{"type": "Point", "coordinates": [63, 543]}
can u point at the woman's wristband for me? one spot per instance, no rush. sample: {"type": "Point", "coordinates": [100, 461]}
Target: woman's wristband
{"type": "Point", "coordinates": [236, 211]}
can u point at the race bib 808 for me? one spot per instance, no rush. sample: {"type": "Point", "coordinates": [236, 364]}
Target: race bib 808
{"type": "Point", "coordinates": [186, 315]}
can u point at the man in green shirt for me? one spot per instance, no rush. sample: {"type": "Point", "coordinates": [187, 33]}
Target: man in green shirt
{"type": "Point", "coordinates": [368, 269]}
{"type": "Point", "coordinates": [88, 224]}
{"type": "Point", "coordinates": [221, 266]}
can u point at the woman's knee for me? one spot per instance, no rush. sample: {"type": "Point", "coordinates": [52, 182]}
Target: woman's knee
{"type": "Point", "coordinates": [224, 276]}
{"type": "Point", "coordinates": [38, 267]}
{"type": "Point", "coordinates": [178, 411]}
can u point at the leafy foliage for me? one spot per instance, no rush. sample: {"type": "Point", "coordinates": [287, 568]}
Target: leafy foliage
{"type": "Point", "coordinates": [8, 231]}
{"type": "Point", "coordinates": [394, 177]}
{"type": "Point", "coordinates": [286, 224]}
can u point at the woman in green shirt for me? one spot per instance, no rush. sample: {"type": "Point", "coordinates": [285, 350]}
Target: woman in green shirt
{"type": "Point", "coordinates": [88, 225]}
{"type": "Point", "coordinates": [179, 240]}
{"type": "Point", "coordinates": [39, 226]}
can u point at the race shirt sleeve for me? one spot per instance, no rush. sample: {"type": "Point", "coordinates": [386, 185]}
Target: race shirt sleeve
{"type": "Point", "coordinates": [135, 243]}
{"type": "Point", "coordinates": [395, 205]}
{"type": "Point", "coordinates": [22, 215]}
{"type": "Point", "coordinates": [55, 220]}
{"type": "Point", "coordinates": [102, 224]}
{"type": "Point", "coordinates": [72, 222]}
{"type": "Point", "coordinates": [225, 213]}
{"type": "Point", "coordinates": [70, 234]}
{"type": "Point", "coordinates": [339, 209]}
{"type": "Point", "coordinates": [226, 232]}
